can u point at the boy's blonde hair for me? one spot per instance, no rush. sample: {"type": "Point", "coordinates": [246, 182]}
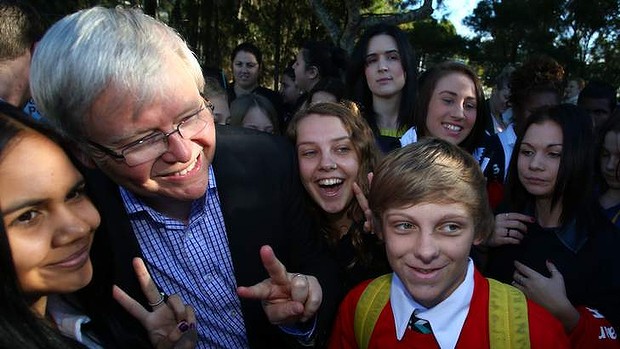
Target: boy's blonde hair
{"type": "Point", "coordinates": [431, 170]}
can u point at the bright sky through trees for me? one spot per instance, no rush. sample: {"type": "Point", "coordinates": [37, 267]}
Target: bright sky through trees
{"type": "Point", "coordinates": [455, 11]}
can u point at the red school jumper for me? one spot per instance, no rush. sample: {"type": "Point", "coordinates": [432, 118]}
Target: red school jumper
{"type": "Point", "coordinates": [545, 331]}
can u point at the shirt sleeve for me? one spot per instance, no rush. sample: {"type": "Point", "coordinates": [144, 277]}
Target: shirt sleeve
{"type": "Point", "coordinates": [593, 331]}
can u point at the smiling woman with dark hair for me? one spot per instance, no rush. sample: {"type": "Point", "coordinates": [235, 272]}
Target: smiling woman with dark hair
{"type": "Point", "coordinates": [450, 106]}
{"type": "Point", "coordinates": [48, 229]}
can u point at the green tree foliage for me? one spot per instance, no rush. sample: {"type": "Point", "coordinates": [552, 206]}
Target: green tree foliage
{"type": "Point", "coordinates": [214, 27]}
{"type": "Point", "coordinates": [436, 41]}
{"type": "Point", "coordinates": [581, 34]}
{"type": "Point", "coordinates": [51, 11]}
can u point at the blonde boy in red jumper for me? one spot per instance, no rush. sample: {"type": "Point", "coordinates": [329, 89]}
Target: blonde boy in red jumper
{"type": "Point", "coordinates": [429, 206]}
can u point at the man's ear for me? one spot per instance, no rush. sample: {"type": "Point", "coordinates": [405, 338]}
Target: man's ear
{"type": "Point", "coordinates": [83, 157]}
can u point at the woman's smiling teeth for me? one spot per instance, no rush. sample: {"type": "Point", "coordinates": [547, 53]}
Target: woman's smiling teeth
{"type": "Point", "coordinates": [330, 181]}
{"type": "Point", "coordinates": [452, 127]}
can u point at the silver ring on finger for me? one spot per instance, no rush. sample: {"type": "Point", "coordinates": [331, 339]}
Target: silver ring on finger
{"type": "Point", "coordinates": [299, 275]}
{"type": "Point", "coordinates": [162, 299]}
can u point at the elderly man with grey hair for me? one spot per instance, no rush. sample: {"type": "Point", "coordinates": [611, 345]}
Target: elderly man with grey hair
{"type": "Point", "coordinates": [208, 208]}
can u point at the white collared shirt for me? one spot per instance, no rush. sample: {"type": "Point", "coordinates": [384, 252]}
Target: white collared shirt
{"type": "Point", "coordinates": [508, 138]}
{"type": "Point", "coordinates": [411, 136]}
{"type": "Point", "coordinates": [446, 318]}
{"type": "Point", "coordinates": [69, 321]}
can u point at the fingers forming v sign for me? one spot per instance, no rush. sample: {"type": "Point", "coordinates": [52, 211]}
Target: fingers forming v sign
{"type": "Point", "coordinates": [286, 297]}
{"type": "Point", "coordinates": [170, 324]}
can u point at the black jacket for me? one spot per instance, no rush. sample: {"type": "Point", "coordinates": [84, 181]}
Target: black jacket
{"type": "Point", "coordinates": [262, 203]}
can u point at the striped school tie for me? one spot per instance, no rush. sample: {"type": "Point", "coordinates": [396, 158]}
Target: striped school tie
{"type": "Point", "coordinates": [419, 325]}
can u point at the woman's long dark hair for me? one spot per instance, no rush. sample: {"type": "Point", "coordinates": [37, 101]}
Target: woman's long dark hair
{"type": "Point", "coordinates": [574, 182]}
{"type": "Point", "coordinates": [357, 86]}
{"type": "Point", "coordinates": [20, 327]}
{"type": "Point", "coordinates": [610, 125]}
{"type": "Point", "coordinates": [94, 300]}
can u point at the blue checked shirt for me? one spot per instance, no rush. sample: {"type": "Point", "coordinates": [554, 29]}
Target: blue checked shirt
{"type": "Point", "coordinates": [193, 261]}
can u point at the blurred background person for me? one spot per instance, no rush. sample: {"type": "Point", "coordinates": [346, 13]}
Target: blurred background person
{"type": "Point", "coordinates": [599, 99]}
{"type": "Point", "coordinates": [21, 28]}
{"type": "Point", "coordinates": [498, 104]}
{"type": "Point", "coordinates": [608, 152]}
{"type": "Point", "coordinates": [326, 90]}
{"type": "Point", "coordinates": [573, 88]}
{"type": "Point", "coordinates": [256, 112]}
{"type": "Point", "coordinates": [317, 60]}
{"type": "Point", "coordinates": [247, 63]}
{"type": "Point", "coordinates": [290, 94]}
{"type": "Point", "coordinates": [218, 97]}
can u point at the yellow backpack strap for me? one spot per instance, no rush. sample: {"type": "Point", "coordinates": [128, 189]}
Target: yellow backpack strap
{"type": "Point", "coordinates": [615, 217]}
{"type": "Point", "coordinates": [369, 306]}
{"type": "Point", "coordinates": [508, 322]}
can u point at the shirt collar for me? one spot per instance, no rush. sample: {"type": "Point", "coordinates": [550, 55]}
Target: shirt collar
{"type": "Point", "coordinates": [446, 318]}
{"type": "Point", "coordinates": [509, 135]}
{"type": "Point", "coordinates": [67, 319]}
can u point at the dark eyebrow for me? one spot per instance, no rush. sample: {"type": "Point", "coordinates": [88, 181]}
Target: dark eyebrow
{"type": "Point", "coordinates": [386, 52]}
{"type": "Point", "coordinates": [35, 202]}
{"type": "Point", "coordinates": [448, 92]}
{"type": "Point", "coordinates": [548, 145]}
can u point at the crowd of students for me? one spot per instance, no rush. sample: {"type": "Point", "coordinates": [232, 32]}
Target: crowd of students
{"type": "Point", "coordinates": [155, 208]}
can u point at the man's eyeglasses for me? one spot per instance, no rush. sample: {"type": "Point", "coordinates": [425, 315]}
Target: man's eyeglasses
{"type": "Point", "coordinates": [154, 145]}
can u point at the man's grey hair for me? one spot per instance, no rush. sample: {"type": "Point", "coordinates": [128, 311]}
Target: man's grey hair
{"type": "Point", "coordinates": [92, 50]}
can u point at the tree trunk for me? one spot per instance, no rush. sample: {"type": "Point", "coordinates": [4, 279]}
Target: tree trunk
{"type": "Point", "coordinates": [355, 22]}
